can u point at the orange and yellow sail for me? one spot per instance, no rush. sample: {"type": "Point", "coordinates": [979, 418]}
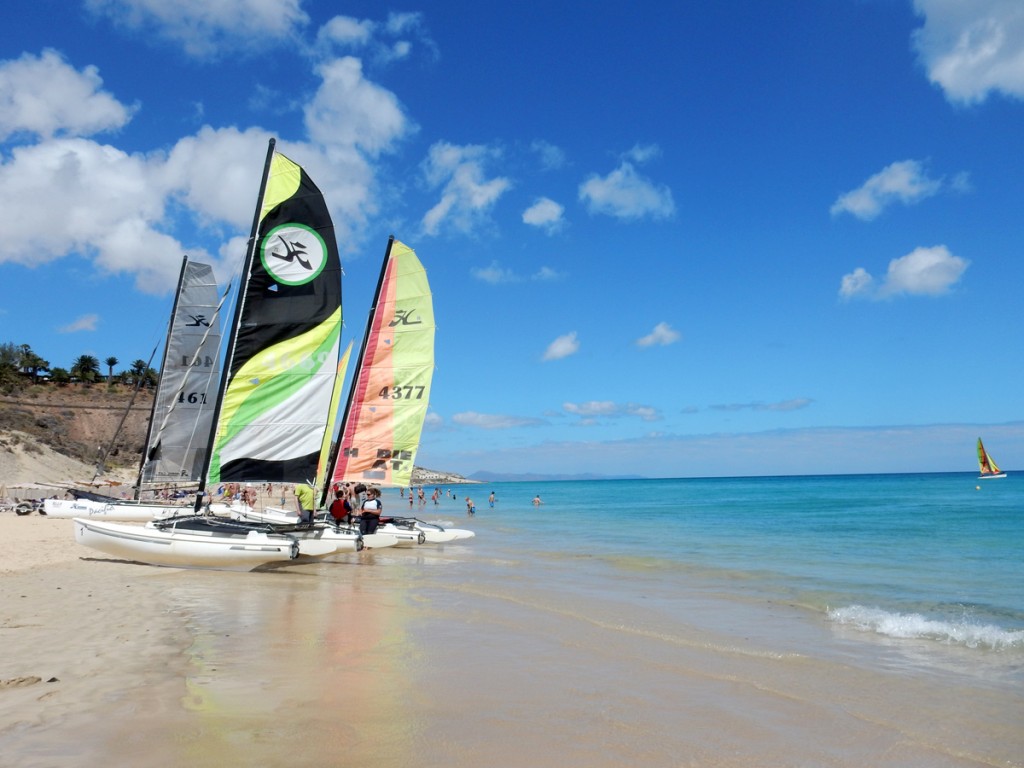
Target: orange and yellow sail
{"type": "Point", "coordinates": [391, 390]}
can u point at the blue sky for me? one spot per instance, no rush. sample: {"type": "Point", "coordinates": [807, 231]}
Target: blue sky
{"type": "Point", "coordinates": [666, 239]}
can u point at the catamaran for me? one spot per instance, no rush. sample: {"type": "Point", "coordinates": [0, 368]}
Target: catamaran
{"type": "Point", "coordinates": [388, 399]}
{"type": "Point", "coordinates": [182, 413]}
{"type": "Point", "coordinates": [273, 399]}
{"type": "Point", "coordinates": [988, 468]}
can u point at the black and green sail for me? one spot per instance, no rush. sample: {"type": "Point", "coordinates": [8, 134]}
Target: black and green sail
{"type": "Point", "coordinates": [283, 359]}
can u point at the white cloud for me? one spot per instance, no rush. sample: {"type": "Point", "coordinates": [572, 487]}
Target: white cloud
{"type": "Point", "coordinates": [83, 323]}
{"type": "Point", "coordinates": [625, 194]}
{"type": "Point", "coordinates": [466, 195]}
{"type": "Point", "coordinates": [922, 272]}
{"type": "Point", "coordinates": [545, 274]}
{"type": "Point", "coordinates": [375, 39]}
{"type": "Point", "coordinates": [641, 153]}
{"type": "Point", "coordinates": [494, 274]}
{"type": "Point", "coordinates": [349, 111]}
{"type": "Point", "coordinates": [545, 214]}
{"type": "Point", "coordinates": [208, 28]}
{"type": "Point", "coordinates": [561, 347]}
{"type": "Point", "coordinates": [110, 204]}
{"type": "Point", "coordinates": [346, 31]}
{"type": "Point", "coordinates": [594, 409]}
{"type": "Point", "coordinates": [662, 335]}
{"type": "Point", "coordinates": [972, 48]}
{"type": "Point", "coordinates": [904, 182]}
{"type": "Point", "coordinates": [433, 421]}
{"type": "Point", "coordinates": [65, 195]}
{"type": "Point", "coordinates": [857, 283]}
{"type": "Point", "coordinates": [46, 96]}
{"type": "Point", "coordinates": [493, 420]}
{"type": "Point", "coordinates": [551, 157]}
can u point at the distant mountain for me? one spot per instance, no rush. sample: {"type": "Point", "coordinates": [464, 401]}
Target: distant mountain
{"type": "Point", "coordinates": [484, 476]}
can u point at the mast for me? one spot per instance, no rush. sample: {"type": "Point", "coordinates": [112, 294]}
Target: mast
{"type": "Point", "coordinates": [240, 301]}
{"type": "Point", "coordinates": [355, 377]}
{"type": "Point", "coordinates": [163, 367]}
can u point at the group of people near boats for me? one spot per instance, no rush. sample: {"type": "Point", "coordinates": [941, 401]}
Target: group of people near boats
{"type": "Point", "coordinates": [354, 502]}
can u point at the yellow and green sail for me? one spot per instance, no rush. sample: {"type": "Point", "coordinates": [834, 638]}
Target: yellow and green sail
{"type": "Point", "coordinates": [286, 344]}
{"type": "Point", "coordinates": [391, 390]}
{"type": "Point", "coordinates": [985, 464]}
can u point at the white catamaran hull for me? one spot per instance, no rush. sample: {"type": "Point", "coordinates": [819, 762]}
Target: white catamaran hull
{"type": "Point", "coordinates": [404, 537]}
{"type": "Point", "coordinates": [126, 511]}
{"type": "Point", "coordinates": [435, 533]}
{"type": "Point", "coordinates": [992, 477]}
{"type": "Point", "coordinates": [184, 550]}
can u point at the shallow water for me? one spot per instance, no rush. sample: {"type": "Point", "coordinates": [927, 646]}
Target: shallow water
{"type": "Point", "coordinates": [764, 622]}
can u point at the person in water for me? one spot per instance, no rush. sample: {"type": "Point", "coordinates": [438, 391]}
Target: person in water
{"type": "Point", "coordinates": [536, 500]}
{"type": "Point", "coordinates": [470, 507]}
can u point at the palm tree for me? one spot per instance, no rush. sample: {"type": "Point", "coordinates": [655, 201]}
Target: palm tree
{"type": "Point", "coordinates": [139, 368]}
{"type": "Point", "coordinates": [110, 362]}
{"type": "Point", "coordinates": [86, 367]}
{"type": "Point", "coordinates": [32, 363]}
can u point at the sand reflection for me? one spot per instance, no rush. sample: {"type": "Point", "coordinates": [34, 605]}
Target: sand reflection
{"type": "Point", "coordinates": [305, 666]}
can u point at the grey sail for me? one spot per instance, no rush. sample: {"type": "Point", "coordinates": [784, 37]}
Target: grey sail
{"type": "Point", "coordinates": [179, 432]}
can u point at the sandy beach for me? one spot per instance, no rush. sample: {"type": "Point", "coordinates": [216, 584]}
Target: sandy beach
{"type": "Point", "coordinates": [454, 656]}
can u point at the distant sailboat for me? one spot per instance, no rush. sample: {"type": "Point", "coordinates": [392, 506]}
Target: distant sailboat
{"type": "Point", "coordinates": [988, 468]}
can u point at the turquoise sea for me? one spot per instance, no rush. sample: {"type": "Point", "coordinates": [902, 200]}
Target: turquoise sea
{"type": "Point", "coordinates": [927, 564]}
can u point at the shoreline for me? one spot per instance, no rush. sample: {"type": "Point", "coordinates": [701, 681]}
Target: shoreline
{"type": "Point", "coordinates": [455, 656]}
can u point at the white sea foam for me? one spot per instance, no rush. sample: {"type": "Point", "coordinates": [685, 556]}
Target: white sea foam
{"type": "Point", "coordinates": [916, 626]}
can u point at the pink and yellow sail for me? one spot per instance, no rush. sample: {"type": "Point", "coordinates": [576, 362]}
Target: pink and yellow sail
{"type": "Point", "coordinates": [388, 400]}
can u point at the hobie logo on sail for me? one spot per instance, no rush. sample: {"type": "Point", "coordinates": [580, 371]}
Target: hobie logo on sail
{"type": "Point", "coordinates": [293, 254]}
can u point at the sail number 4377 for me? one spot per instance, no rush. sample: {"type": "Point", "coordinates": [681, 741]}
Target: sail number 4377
{"type": "Point", "coordinates": [402, 393]}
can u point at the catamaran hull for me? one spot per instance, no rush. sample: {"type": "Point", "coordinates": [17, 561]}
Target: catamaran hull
{"type": "Point", "coordinates": [446, 535]}
{"type": "Point", "coordinates": [184, 550]}
{"type": "Point", "coordinates": [126, 512]}
{"type": "Point", "coordinates": [340, 539]}
{"type": "Point", "coordinates": [404, 537]}
{"type": "Point", "coordinates": [434, 533]}
{"type": "Point", "coordinates": [992, 477]}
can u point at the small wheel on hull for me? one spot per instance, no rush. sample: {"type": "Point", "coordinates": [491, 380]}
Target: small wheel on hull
{"type": "Point", "coordinates": [23, 509]}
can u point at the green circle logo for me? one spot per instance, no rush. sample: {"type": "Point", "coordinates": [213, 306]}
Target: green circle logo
{"type": "Point", "coordinates": [293, 254]}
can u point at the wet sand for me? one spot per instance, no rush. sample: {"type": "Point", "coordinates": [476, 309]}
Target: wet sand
{"type": "Point", "coordinates": [460, 656]}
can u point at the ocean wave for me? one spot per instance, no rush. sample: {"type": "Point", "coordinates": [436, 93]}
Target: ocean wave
{"type": "Point", "coordinates": [916, 626]}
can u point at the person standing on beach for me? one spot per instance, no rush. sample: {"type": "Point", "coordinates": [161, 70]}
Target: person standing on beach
{"type": "Point", "coordinates": [249, 496]}
{"type": "Point", "coordinates": [371, 512]}
{"type": "Point", "coordinates": [304, 502]}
